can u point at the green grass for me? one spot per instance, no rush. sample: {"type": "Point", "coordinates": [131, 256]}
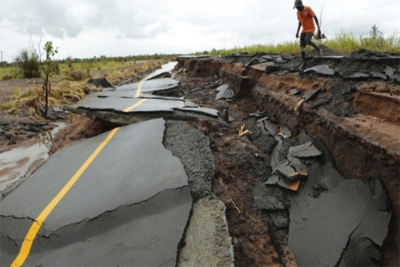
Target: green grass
{"type": "Point", "coordinates": [343, 42]}
{"type": "Point", "coordinates": [11, 70]}
{"type": "Point", "coordinates": [82, 65]}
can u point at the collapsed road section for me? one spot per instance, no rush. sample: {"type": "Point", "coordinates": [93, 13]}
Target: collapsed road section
{"type": "Point", "coordinates": [134, 196]}
{"type": "Point", "coordinates": [337, 208]}
{"type": "Point", "coordinates": [240, 160]}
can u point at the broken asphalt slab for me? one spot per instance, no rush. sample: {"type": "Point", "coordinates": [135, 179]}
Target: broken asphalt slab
{"type": "Point", "coordinates": [331, 221]}
{"type": "Point", "coordinates": [224, 92]}
{"type": "Point", "coordinates": [143, 177]}
{"type": "Point", "coordinates": [344, 226]}
{"type": "Point", "coordinates": [148, 106]}
{"type": "Point", "coordinates": [128, 99]}
{"type": "Point", "coordinates": [150, 86]}
{"type": "Point", "coordinates": [321, 69]}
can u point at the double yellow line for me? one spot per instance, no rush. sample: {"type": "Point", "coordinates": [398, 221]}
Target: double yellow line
{"type": "Point", "coordinates": [37, 224]}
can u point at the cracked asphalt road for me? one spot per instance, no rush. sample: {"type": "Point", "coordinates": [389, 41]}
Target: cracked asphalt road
{"type": "Point", "coordinates": [130, 206]}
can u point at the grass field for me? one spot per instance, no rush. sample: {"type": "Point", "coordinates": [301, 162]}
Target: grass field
{"type": "Point", "coordinates": [64, 91]}
{"type": "Point", "coordinates": [343, 42]}
{"type": "Point", "coordinates": [86, 66]}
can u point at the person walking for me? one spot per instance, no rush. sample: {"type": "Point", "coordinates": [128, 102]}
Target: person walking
{"type": "Point", "coordinates": [305, 15]}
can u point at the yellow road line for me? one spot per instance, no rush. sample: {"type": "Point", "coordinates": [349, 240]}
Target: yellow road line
{"type": "Point", "coordinates": [139, 89]}
{"type": "Point", "coordinates": [29, 238]}
{"type": "Point", "coordinates": [135, 105]}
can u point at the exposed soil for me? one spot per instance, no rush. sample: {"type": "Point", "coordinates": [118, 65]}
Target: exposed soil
{"type": "Point", "coordinates": [7, 88]}
{"type": "Point", "coordinates": [237, 171]}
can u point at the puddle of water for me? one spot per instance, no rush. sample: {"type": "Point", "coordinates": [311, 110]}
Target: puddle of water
{"type": "Point", "coordinates": [18, 163]}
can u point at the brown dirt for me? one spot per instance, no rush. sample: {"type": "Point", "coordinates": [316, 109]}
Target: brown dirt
{"type": "Point", "coordinates": [233, 185]}
{"type": "Point", "coordinates": [233, 182]}
{"type": "Point", "coordinates": [384, 106]}
{"type": "Point", "coordinates": [7, 88]}
{"type": "Point", "coordinates": [292, 80]}
{"type": "Point", "coordinates": [79, 128]}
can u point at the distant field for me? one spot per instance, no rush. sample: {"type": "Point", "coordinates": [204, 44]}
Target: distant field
{"type": "Point", "coordinates": [69, 68]}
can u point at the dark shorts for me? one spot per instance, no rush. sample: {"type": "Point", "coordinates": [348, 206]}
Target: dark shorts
{"type": "Point", "coordinates": [305, 38]}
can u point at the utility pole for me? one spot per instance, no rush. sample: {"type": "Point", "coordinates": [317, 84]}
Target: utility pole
{"type": "Point", "coordinates": [1, 56]}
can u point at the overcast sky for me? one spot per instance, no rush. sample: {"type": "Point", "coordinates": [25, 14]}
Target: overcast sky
{"type": "Point", "coordinates": [88, 28]}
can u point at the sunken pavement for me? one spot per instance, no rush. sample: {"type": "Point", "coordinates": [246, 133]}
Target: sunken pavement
{"type": "Point", "coordinates": [224, 155]}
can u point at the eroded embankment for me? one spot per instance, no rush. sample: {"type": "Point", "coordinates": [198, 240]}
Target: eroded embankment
{"type": "Point", "coordinates": [356, 118]}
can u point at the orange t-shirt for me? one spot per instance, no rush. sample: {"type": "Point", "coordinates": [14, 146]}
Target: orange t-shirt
{"type": "Point", "coordinates": [306, 19]}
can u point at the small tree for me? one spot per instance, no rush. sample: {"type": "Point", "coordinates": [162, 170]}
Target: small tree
{"type": "Point", "coordinates": [48, 67]}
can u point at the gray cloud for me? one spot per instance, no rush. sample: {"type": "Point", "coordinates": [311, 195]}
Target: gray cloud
{"type": "Point", "coordinates": [179, 25]}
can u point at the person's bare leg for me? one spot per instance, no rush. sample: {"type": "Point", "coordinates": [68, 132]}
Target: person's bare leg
{"type": "Point", "coordinates": [303, 55]}
{"type": "Point", "coordinates": [317, 48]}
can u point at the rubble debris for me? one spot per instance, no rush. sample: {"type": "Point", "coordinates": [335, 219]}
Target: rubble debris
{"type": "Point", "coordinates": [288, 56]}
{"type": "Point", "coordinates": [268, 126]}
{"type": "Point", "coordinates": [150, 86]}
{"type": "Point", "coordinates": [211, 85]}
{"type": "Point", "coordinates": [389, 71]}
{"type": "Point", "coordinates": [294, 91]}
{"type": "Point", "coordinates": [238, 54]}
{"type": "Point", "coordinates": [287, 172]}
{"type": "Point", "coordinates": [321, 102]}
{"type": "Point", "coordinates": [307, 150]}
{"type": "Point", "coordinates": [321, 69]}
{"type": "Point", "coordinates": [286, 133]}
{"type": "Point", "coordinates": [258, 115]}
{"type": "Point", "coordinates": [357, 76]}
{"type": "Point", "coordinates": [279, 219]}
{"type": "Point", "coordinates": [278, 180]}
{"type": "Point", "coordinates": [311, 95]}
{"type": "Point", "coordinates": [164, 74]}
{"type": "Point", "coordinates": [397, 77]}
{"type": "Point", "coordinates": [269, 198]}
{"type": "Point", "coordinates": [224, 92]}
{"type": "Point", "coordinates": [190, 104]}
{"type": "Point", "coordinates": [58, 110]}
{"type": "Point", "coordinates": [375, 74]}
{"type": "Point", "coordinates": [101, 83]}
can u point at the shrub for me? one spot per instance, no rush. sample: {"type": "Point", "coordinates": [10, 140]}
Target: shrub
{"type": "Point", "coordinates": [77, 75]}
{"type": "Point", "coordinates": [6, 77]}
{"type": "Point", "coordinates": [28, 62]}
